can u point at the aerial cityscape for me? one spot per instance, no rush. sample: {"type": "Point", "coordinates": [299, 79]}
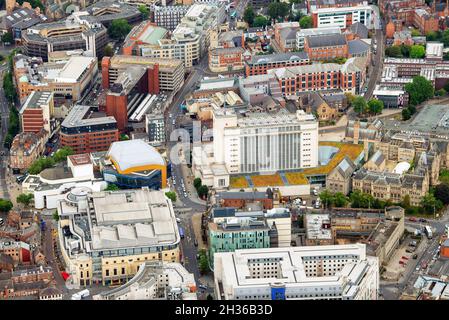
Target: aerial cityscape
{"type": "Point", "coordinates": [224, 150]}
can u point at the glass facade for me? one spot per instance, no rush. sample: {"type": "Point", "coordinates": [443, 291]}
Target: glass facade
{"type": "Point", "coordinates": [152, 180]}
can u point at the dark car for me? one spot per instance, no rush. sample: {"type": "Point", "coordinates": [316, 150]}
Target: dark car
{"type": "Point", "coordinates": [415, 256]}
{"type": "Point", "coordinates": [422, 220]}
{"type": "Point", "coordinates": [195, 243]}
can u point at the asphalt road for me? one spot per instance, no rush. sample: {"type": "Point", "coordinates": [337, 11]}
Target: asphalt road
{"type": "Point", "coordinates": [375, 70]}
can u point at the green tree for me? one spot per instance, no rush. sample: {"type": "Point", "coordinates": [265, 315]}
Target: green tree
{"type": "Point", "coordinates": [124, 137]}
{"type": "Point", "coordinates": [278, 10]}
{"type": "Point", "coordinates": [306, 22]}
{"type": "Point", "coordinates": [55, 216]}
{"type": "Point", "coordinates": [350, 98]}
{"type": "Point", "coordinates": [375, 106]}
{"type": "Point", "coordinates": [203, 191]}
{"type": "Point", "coordinates": [119, 29]}
{"type": "Point", "coordinates": [209, 297]}
{"type": "Point", "coordinates": [430, 204]}
{"type": "Point", "coordinates": [433, 36]}
{"type": "Point", "coordinates": [7, 37]}
{"type": "Point", "coordinates": [197, 183]}
{"type": "Point", "coordinates": [203, 264]}
{"type": "Point", "coordinates": [108, 51]}
{"type": "Point", "coordinates": [393, 51]}
{"type": "Point", "coordinates": [361, 200]}
{"type": "Point", "coordinates": [24, 198]}
{"type": "Point", "coordinates": [327, 198]}
{"type": "Point", "coordinates": [260, 21]}
{"type": "Point", "coordinates": [406, 202]}
{"type": "Point", "coordinates": [445, 38]}
{"type": "Point", "coordinates": [62, 154]}
{"type": "Point", "coordinates": [359, 104]}
{"type": "Point", "coordinates": [5, 205]}
{"type": "Point", "coordinates": [8, 140]}
{"type": "Point", "coordinates": [417, 52]}
{"type": "Point", "coordinates": [144, 11]}
{"type": "Point", "coordinates": [171, 195]}
{"type": "Point", "coordinates": [406, 114]}
{"type": "Point", "coordinates": [419, 90]}
{"type": "Point", "coordinates": [416, 33]}
{"type": "Point", "coordinates": [442, 193]}
{"type": "Point", "coordinates": [249, 15]}
{"type": "Point", "coordinates": [112, 187]}
{"type": "Point", "coordinates": [340, 200]}
{"type": "Point", "coordinates": [441, 92]}
{"type": "Point", "coordinates": [8, 87]}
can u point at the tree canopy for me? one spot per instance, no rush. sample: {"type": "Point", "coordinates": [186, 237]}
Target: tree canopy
{"type": "Point", "coordinates": [419, 90]}
{"type": "Point", "coordinates": [119, 29]}
{"type": "Point", "coordinates": [112, 187]}
{"type": "Point", "coordinates": [108, 51]}
{"type": "Point", "coordinates": [5, 205]}
{"type": "Point", "coordinates": [306, 22]}
{"type": "Point", "coordinates": [144, 11]}
{"type": "Point", "coordinates": [442, 193]}
{"type": "Point", "coordinates": [359, 104]}
{"type": "Point", "coordinates": [375, 106]}
{"type": "Point", "coordinates": [171, 195]}
{"type": "Point", "coordinates": [417, 52]}
{"type": "Point", "coordinates": [278, 10]}
{"type": "Point", "coordinates": [260, 21]}
{"type": "Point", "coordinates": [7, 37]}
{"type": "Point", "coordinates": [249, 15]}
{"type": "Point", "coordinates": [24, 198]}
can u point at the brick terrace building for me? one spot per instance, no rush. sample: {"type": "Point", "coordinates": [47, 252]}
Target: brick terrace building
{"type": "Point", "coordinates": [326, 47]}
{"type": "Point", "coordinates": [26, 148]}
{"type": "Point", "coordinates": [226, 59]}
{"type": "Point", "coordinates": [85, 132]}
{"type": "Point", "coordinates": [36, 112]}
{"type": "Point", "coordinates": [239, 200]}
{"type": "Point", "coordinates": [261, 64]}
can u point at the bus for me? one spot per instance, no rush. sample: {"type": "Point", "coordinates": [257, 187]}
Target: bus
{"type": "Point", "coordinates": [428, 231]}
{"type": "Point", "coordinates": [181, 232]}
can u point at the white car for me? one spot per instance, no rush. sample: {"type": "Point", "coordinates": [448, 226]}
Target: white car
{"type": "Point", "coordinates": [169, 115]}
{"type": "Point", "coordinates": [178, 220]}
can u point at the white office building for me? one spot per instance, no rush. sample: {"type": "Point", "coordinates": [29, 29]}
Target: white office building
{"type": "Point", "coordinates": [343, 17]}
{"type": "Point", "coordinates": [337, 272]}
{"type": "Point", "coordinates": [265, 142]}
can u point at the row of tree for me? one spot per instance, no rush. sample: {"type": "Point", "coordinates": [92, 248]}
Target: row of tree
{"type": "Point", "coordinates": [201, 189]}
{"type": "Point", "coordinates": [277, 11]}
{"type": "Point", "coordinates": [419, 90]}
{"type": "Point", "coordinates": [48, 162]}
{"type": "Point", "coordinates": [361, 107]}
{"type": "Point", "coordinates": [404, 51]}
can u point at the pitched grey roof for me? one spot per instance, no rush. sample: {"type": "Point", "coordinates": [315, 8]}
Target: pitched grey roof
{"type": "Point", "coordinates": [378, 158]}
{"type": "Point", "coordinates": [359, 29]}
{"type": "Point", "coordinates": [326, 40]}
{"type": "Point", "coordinates": [356, 47]}
{"type": "Point", "coordinates": [346, 167]}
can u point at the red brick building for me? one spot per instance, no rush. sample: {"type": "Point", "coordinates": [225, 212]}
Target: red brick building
{"type": "Point", "coordinates": [240, 200]}
{"type": "Point", "coordinates": [226, 59]}
{"type": "Point", "coordinates": [85, 131]}
{"type": "Point", "coordinates": [326, 47]}
{"type": "Point", "coordinates": [261, 64]}
{"type": "Point", "coordinates": [36, 111]}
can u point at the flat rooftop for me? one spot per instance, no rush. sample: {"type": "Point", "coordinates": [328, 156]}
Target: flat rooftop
{"type": "Point", "coordinates": [36, 99]}
{"type": "Point", "coordinates": [81, 115]}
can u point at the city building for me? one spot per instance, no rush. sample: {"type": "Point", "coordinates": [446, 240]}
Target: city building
{"type": "Point", "coordinates": [318, 229]}
{"type": "Point", "coordinates": [326, 47]}
{"type": "Point", "coordinates": [69, 34]}
{"type": "Point", "coordinates": [168, 17]}
{"type": "Point", "coordinates": [257, 65]}
{"type": "Point", "coordinates": [342, 272]}
{"type": "Point", "coordinates": [317, 4]}
{"type": "Point", "coordinates": [106, 11]}
{"type": "Point", "coordinates": [155, 128]}
{"type": "Point", "coordinates": [106, 236]}
{"type": "Point", "coordinates": [155, 280]}
{"type": "Point", "coordinates": [68, 80]}
{"type": "Point", "coordinates": [25, 282]}
{"type": "Point", "coordinates": [146, 33]}
{"type": "Point", "coordinates": [37, 112]}
{"type": "Point", "coordinates": [348, 77]}
{"type": "Point", "coordinates": [339, 178]}
{"type": "Point", "coordinates": [226, 59]}
{"type": "Point", "coordinates": [230, 229]}
{"type": "Point", "coordinates": [86, 131]}
{"type": "Point", "coordinates": [27, 147]}
{"type": "Point", "coordinates": [191, 38]}
{"type": "Point", "coordinates": [19, 251]}
{"type": "Point", "coordinates": [343, 17]}
{"type": "Point", "coordinates": [134, 164]}
{"type": "Point", "coordinates": [285, 35]}
{"type": "Point", "coordinates": [303, 33]}
{"type": "Point", "coordinates": [252, 142]}
{"type": "Point", "coordinates": [240, 200]}
{"type": "Point", "coordinates": [19, 21]}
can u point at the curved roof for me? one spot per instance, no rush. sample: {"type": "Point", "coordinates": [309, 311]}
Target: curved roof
{"type": "Point", "coordinates": [401, 167]}
{"type": "Point", "coordinates": [134, 153]}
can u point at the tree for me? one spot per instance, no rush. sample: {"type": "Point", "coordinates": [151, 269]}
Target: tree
{"type": "Point", "coordinates": [25, 199]}
{"type": "Point", "coordinates": [361, 200]}
{"type": "Point", "coordinates": [204, 262]}
{"type": "Point", "coordinates": [108, 51]}
{"type": "Point", "coordinates": [278, 10]}
{"type": "Point", "coordinates": [393, 51]}
{"type": "Point", "coordinates": [203, 191]}
{"type": "Point", "coordinates": [62, 154]}
{"type": "Point", "coordinates": [327, 198]}
{"type": "Point", "coordinates": [419, 90]}
{"type": "Point", "coordinates": [432, 36]}
{"type": "Point", "coordinates": [441, 92]}
{"type": "Point", "coordinates": [445, 38]}
{"type": "Point", "coordinates": [340, 200]}
{"type": "Point", "coordinates": [197, 183]}
{"type": "Point", "coordinates": [442, 193]}
{"type": "Point", "coordinates": [430, 204]}
{"type": "Point", "coordinates": [350, 98]}
{"type": "Point", "coordinates": [8, 141]}
{"type": "Point", "coordinates": [260, 21]}
{"type": "Point", "coordinates": [249, 15]}
{"type": "Point", "coordinates": [406, 114]}
{"type": "Point", "coordinates": [119, 29]}
{"type": "Point", "coordinates": [359, 104]}
{"type": "Point", "coordinates": [8, 87]}
{"type": "Point", "coordinates": [306, 22]}
{"type": "Point", "coordinates": [5, 205]}
{"type": "Point", "coordinates": [55, 216]}
{"type": "Point", "coordinates": [7, 38]}
{"type": "Point", "coordinates": [112, 187]}
{"type": "Point", "coordinates": [144, 11]}
{"type": "Point", "coordinates": [406, 202]}
{"type": "Point", "coordinates": [171, 195]}
{"type": "Point", "coordinates": [416, 33]}
{"type": "Point", "coordinates": [209, 297]}
{"type": "Point", "coordinates": [124, 137]}
{"type": "Point", "coordinates": [375, 106]}
{"type": "Point", "coordinates": [417, 52]}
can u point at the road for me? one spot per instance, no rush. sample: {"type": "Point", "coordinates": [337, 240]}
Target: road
{"type": "Point", "coordinates": [375, 69]}
{"type": "Point", "coordinates": [4, 109]}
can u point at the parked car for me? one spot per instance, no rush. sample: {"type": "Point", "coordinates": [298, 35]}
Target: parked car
{"type": "Point", "coordinates": [415, 256]}
{"type": "Point", "coordinates": [404, 257]}
{"type": "Point", "coordinates": [424, 265]}
{"type": "Point", "coordinates": [422, 220]}
{"type": "Point", "coordinates": [413, 219]}
{"type": "Point", "coordinates": [408, 250]}
{"type": "Point", "coordinates": [195, 243]}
